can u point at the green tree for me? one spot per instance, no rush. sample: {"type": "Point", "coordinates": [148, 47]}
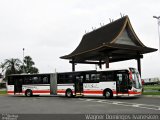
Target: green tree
{"type": "Point", "coordinates": [12, 66]}
{"type": "Point", "coordinates": [2, 66]}
{"type": "Point", "coordinates": [29, 65]}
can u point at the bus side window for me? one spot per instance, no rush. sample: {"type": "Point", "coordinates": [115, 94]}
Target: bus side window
{"type": "Point", "coordinates": [28, 80]}
{"type": "Point", "coordinates": [60, 79]}
{"type": "Point", "coordinates": [87, 77]}
{"type": "Point", "coordinates": [65, 78]}
{"type": "Point", "coordinates": [95, 77]}
{"type": "Point", "coordinates": [35, 80]}
{"type": "Point", "coordinates": [125, 77]}
{"type": "Point", "coordinates": [45, 80]}
{"type": "Point", "coordinates": [10, 81]}
{"type": "Point", "coordinates": [119, 77]}
{"type": "Point", "coordinates": [69, 78]}
{"type": "Point", "coordinates": [103, 78]}
{"type": "Point", "coordinates": [107, 76]}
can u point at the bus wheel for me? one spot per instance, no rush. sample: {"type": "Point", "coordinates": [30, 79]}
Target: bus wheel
{"type": "Point", "coordinates": [108, 93]}
{"type": "Point", "coordinates": [28, 93]}
{"type": "Point", "coordinates": [69, 93]}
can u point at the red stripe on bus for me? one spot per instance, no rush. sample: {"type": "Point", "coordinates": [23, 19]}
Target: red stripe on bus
{"type": "Point", "coordinates": [93, 92]}
{"type": "Point", "coordinates": [130, 92]}
{"type": "Point", "coordinates": [41, 91]}
{"type": "Point", "coordinates": [61, 91]}
{"type": "Point", "coordinates": [133, 92]}
{"type": "Point", "coordinates": [34, 91]}
{"type": "Point", "coordinates": [10, 91]}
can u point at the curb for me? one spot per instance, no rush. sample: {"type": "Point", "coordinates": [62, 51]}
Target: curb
{"type": "Point", "coordinates": [152, 96]}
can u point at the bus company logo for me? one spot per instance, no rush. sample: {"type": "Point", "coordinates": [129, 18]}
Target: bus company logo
{"type": "Point", "coordinates": [91, 85]}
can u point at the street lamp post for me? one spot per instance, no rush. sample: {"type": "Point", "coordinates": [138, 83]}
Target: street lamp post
{"type": "Point", "coordinates": [158, 21]}
{"type": "Point", "coordinates": [23, 61]}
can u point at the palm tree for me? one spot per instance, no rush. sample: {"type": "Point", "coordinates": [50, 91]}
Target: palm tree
{"type": "Point", "coordinates": [2, 67]}
{"type": "Point", "coordinates": [12, 66]}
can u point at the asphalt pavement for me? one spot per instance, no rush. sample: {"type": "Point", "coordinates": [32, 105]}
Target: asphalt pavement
{"type": "Point", "coordinates": [84, 105]}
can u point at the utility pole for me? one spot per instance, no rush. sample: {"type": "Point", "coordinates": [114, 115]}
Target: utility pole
{"type": "Point", "coordinates": [23, 60]}
{"type": "Point", "coordinates": [158, 21]}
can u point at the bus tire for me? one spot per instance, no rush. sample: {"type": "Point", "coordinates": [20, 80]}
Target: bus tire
{"type": "Point", "coordinates": [69, 93]}
{"type": "Point", "coordinates": [108, 93]}
{"type": "Point", "coordinates": [28, 93]}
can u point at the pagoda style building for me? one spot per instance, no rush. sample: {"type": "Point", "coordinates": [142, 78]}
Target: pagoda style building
{"type": "Point", "coordinates": [113, 42]}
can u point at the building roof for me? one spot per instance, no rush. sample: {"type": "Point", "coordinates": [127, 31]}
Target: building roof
{"type": "Point", "coordinates": [117, 40]}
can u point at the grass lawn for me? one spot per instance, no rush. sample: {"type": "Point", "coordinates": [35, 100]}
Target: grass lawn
{"type": "Point", "coordinates": [151, 87]}
{"type": "Point", "coordinates": [3, 92]}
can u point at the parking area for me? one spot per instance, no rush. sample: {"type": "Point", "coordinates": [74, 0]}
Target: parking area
{"type": "Point", "coordinates": [84, 105]}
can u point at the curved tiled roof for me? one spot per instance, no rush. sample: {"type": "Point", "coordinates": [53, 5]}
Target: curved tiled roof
{"type": "Point", "coordinates": [105, 38]}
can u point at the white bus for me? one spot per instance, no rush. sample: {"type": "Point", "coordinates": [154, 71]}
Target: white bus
{"type": "Point", "coordinates": [108, 83]}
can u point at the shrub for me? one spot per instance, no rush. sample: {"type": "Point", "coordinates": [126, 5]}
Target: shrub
{"type": "Point", "coordinates": [2, 85]}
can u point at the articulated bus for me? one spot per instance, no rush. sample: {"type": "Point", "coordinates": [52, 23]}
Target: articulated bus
{"type": "Point", "coordinates": [107, 83]}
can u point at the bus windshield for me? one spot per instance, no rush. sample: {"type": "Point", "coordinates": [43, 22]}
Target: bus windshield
{"type": "Point", "coordinates": [136, 79]}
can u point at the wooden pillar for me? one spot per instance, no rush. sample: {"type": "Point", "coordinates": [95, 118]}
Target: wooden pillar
{"type": "Point", "coordinates": [139, 65]}
{"type": "Point", "coordinates": [73, 65]}
{"type": "Point", "coordinates": [100, 64]}
{"type": "Point", "coordinates": [107, 62]}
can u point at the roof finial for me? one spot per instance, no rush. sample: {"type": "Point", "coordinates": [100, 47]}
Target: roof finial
{"type": "Point", "coordinates": [92, 28]}
{"type": "Point", "coordinates": [111, 20]}
{"type": "Point", "coordinates": [122, 15]}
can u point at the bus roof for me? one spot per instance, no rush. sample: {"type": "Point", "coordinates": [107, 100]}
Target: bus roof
{"type": "Point", "coordinates": [25, 74]}
{"type": "Point", "coordinates": [115, 69]}
{"type": "Point", "coordinates": [98, 70]}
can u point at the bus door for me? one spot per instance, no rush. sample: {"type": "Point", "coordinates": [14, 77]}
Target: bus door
{"type": "Point", "coordinates": [79, 85]}
{"type": "Point", "coordinates": [122, 83]}
{"type": "Point", "coordinates": [18, 84]}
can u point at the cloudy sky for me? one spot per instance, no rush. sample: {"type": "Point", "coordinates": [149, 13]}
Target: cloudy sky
{"type": "Point", "coordinates": [48, 29]}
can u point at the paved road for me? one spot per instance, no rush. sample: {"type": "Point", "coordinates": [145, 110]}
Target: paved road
{"type": "Point", "coordinates": [85, 105]}
{"type": "Point", "coordinates": [62, 105]}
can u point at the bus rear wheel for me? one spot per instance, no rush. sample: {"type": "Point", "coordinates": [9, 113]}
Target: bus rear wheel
{"type": "Point", "coordinates": [28, 93]}
{"type": "Point", "coordinates": [108, 93]}
{"type": "Point", "coordinates": [69, 93]}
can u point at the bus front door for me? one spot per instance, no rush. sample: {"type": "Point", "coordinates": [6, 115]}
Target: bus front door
{"type": "Point", "coordinates": [122, 83]}
{"type": "Point", "coordinates": [79, 86]}
{"type": "Point", "coordinates": [18, 85]}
